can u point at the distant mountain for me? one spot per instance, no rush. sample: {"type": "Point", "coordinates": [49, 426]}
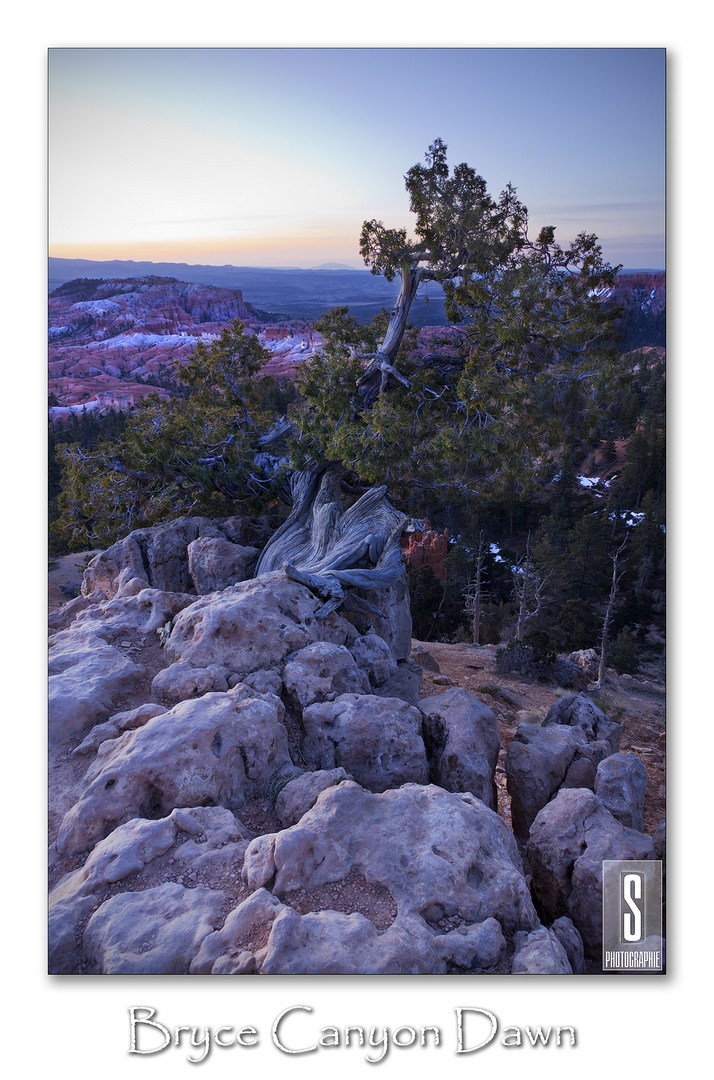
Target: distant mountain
{"type": "Point", "coordinates": [285, 292]}
{"type": "Point", "coordinates": [274, 288]}
{"type": "Point", "coordinates": [332, 266]}
{"type": "Point", "coordinates": [294, 293]}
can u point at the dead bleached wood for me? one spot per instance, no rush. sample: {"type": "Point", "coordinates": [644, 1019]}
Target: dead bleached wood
{"type": "Point", "coordinates": [331, 550]}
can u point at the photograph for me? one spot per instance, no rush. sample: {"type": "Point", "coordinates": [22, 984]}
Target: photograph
{"type": "Point", "coordinates": [356, 517]}
{"type": "Point", "coordinates": [349, 637]}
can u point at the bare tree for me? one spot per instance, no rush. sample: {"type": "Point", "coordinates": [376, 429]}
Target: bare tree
{"type": "Point", "coordinates": [473, 593]}
{"type": "Point", "coordinates": [605, 638]}
{"type": "Point", "coordinates": [529, 583]}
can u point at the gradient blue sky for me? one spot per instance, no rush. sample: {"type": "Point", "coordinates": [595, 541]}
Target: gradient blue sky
{"type": "Point", "coordinates": [274, 157]}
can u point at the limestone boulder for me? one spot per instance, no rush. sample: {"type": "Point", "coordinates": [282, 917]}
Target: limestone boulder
{"type": "Point", "coordinates": [567, 674]}
{"type": "Point", "coordinates": [621, 786]}
{"type": "Point", "coordinates": [424, 659]}
{"type": "Point", "coordinates": [214, 563]}
{"type": "Point", "coordinates": [569, 839]}
{"type": "Point", "coordinates": [336, 943]}
{"type": "Point", "coordinates": [116, 725]}
{"type": "Point", "coordinates": [377, 740]}
{"type": "Point", "coordinates": [260, 682]}
{"type": "Point", "coordinates": [536, 765]}
{"type": "Point", "coordinates": [660, 840]}
{"type": "Point", "coordinates": [262, 935]}
{"type": "Point", "coordinates": [100, 576]}
{"type": "Point", "coordinates": [166, 548]}
{"type": "Point", "coordinates": [542, 760]}
{"type": "Point", "coordinates": [128, 585]}
{"type": "Point", "coordinates": [155, 932]}
{"type": "Point", "coordinates": [300, 795]}
{"type": "Point", "coordinates": [214, 750]}
{"type": "Point", "coordinates": [588, 660]}
{"type": "Point", "coordinates": [254, 625]}
{"type": "Point", "coordinates": [242, 530]}
{"type": "Point", "coordinates": [126, 851]}
{"type": "Point", "coordinates": [210, 841]}
{"type": "Point", "coordinates": [205, 840]}
{"type": "Point", "coordinates": [374, 657]}
{"type": "Point", "coordinates": [581, 773]}
{"type": "Point", "coordinates": [321, 672]}
{"type": "Point", "coordinates": [394, 624]}
{"type": "Point", "coordinates": [440, 855]}
{"type": "Point", "coordinates": [579, 710]}
{"type": "Point", "coordinates": [87, 677]}
{"type": "Point", "coordinates": [405, 683]}
{"type": "Point", "coordinates": [540, 953]}
{"type": "Point", "coordinates": [159, 555]}
{"type": "Point", "coordinates": [181, 681]}
{"type": "Point", "coordinates": [130, 616]}
{"type": "Point", "coordinates": [462, 741]}
{"type": "Point", "coordinates": [239, 947]}
{"type": "Point", "coordinates": [568, 936]}
{"type": "Point", "coordinates": [64, 616]}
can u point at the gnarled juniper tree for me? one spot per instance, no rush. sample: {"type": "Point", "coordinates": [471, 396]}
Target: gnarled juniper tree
{"type": "Point", "coordinates": [528, 344]}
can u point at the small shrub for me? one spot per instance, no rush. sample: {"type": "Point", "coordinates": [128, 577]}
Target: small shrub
{"type": "Point", "coordinates": [543, 644]}
{"type": "Point", "coordinates": [516, 658]}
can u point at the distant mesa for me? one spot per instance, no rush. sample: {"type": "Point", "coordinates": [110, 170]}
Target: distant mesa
{"type": "Point", "coordinates": [118, 328]}
{"type": "Point", "coordinates": [332, 266]}
{"type": "Point", "coordinates": [113, 342]}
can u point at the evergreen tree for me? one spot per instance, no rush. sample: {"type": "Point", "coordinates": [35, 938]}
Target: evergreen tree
{"type": "Point", "coordinates": [647, 544]}
{"type": "Point", "coordinates": [587, 567]}
{"type": "Point", "coordinates": [477, 421]}
{"type": "Point", "coordinates": [187, 454]}
{"type": "Point", "coordinates": [623, 655]}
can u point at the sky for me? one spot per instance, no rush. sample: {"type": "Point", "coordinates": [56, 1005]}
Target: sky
{"type": "Point", "coordinates": [275, 157]}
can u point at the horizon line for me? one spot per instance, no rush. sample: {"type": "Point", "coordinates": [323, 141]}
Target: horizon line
{"type": "Point", "coordinates": [254, 266]}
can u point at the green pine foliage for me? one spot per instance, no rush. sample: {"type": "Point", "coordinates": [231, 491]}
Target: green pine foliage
{"type": "Point", "coordinates": [535, 347]}
{"type": "Point", "coordinates": [191, 454]}
{"type": "Point", "coordinates": [623, 654]}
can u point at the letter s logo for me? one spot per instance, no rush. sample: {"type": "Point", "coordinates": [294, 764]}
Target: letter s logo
{"type": "Point", "coordinates": [632, 919]}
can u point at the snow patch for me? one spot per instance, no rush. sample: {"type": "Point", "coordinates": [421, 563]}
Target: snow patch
{"type": "Point", "coordinates": [96, 307]}
{"type": "Point", "coordinates": [632, 517]}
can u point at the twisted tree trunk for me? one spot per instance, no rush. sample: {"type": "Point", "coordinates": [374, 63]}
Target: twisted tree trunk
{"type": "Point", "coordinates": [333, 551]}
{"type": "Point", "coordinates": [321, 545]}
{"type": "Point", "coordinates": [375, 377]}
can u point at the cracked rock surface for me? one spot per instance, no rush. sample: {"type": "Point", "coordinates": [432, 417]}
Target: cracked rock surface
{"type": "Point", "coordinates": [240, 787]}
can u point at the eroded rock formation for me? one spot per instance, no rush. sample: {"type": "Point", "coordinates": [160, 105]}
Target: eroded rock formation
{"type": "Point", "coordinates": [247, 779]}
